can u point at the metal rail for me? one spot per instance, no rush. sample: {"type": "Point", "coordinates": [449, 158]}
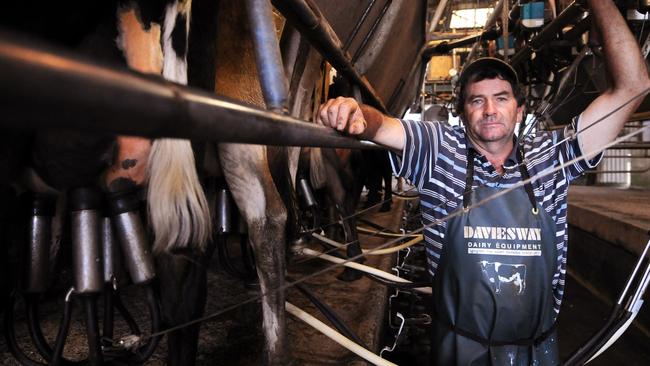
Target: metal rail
{"type": "Point", "coordinates": [47, 88]}
{"type": "Point", "coordinates": [445, 47]}
{"type": "Point", "coordinates": [306, 17]}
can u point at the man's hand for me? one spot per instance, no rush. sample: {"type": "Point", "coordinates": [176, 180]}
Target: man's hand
{"type": "Point", "coordinates": [343, 114]}
{"type": "Point", "coordinates": [362, 121]}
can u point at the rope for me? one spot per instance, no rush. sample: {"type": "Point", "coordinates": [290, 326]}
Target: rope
{"type": "Point", "coordinates": [416, 239]}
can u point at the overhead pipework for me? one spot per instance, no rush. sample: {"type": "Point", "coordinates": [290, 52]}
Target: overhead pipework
{"type": "Point", "coordinates": [306, 17]}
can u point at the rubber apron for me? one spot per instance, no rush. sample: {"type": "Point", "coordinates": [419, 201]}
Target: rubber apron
{"type": "Point", "coordinates": [492, 290]}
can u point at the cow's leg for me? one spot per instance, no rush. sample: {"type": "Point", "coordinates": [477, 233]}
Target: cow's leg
{"type": "Point", "coordinates": [342, 192]}
{"type": "Point", "coordinates": [183, 295]}
{"type": "Point", "coordinates": [248, 176]}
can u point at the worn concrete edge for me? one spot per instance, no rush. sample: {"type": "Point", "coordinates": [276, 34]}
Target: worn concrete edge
{"type": "Point", "coordinates": [620, 233]}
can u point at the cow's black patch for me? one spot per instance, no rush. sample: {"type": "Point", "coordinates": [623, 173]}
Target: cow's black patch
{"type": "Point", "coordinates": [149, 11]}
{"type": "Point", "coordinates": [68, 159]}
{"type": "Point", "coordinates": [202, 48]}
{"type": "Point", "coordinates": [129, 163]}
{"type": "Point", "coordinates": [179, 36]}
{"type": "Point", "coordinates": [63, 22]}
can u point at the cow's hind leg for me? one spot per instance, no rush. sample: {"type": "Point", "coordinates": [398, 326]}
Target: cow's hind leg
{"type": "Point", "coordinates": [249, 179]}
{"type": "Point", "coordinates": [183, 298]}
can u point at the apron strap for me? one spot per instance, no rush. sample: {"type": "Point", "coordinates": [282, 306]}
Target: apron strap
{"type": "Point", "coordinates": [528, 342]}
{"type": "Point", "coordinates": [469, 179]}
{"type": "Point", "coordinates": [525, 176]}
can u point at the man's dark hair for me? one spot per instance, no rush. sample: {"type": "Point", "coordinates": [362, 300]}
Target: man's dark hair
{"type": "Point", "coordinates": [486, 73]}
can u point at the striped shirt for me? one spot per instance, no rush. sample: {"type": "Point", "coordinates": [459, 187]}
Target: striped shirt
{"type": "Point", "coordinates": [434, 160]}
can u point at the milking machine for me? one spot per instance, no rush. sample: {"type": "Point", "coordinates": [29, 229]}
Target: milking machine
{"type": "Point", "coordinates": [97, 268]}
{"type": "Point", "coordinates": [309, 204]}
{"type": "Point", "coordinates": [224, 227]}
{"type": "Point", "coordinates": [409, 312]}
{"type": "Point", "coordinates": [124, 209]}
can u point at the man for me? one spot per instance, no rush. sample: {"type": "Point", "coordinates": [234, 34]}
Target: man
{"type": "Point", "coordinates": [498, 268]}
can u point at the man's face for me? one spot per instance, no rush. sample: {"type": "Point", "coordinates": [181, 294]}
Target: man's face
{"type": "Point", "coordinates": [490, 111]}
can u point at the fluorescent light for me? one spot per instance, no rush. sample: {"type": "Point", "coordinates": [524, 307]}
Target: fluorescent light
{"type": "Point", "coordinates": [469, 18]}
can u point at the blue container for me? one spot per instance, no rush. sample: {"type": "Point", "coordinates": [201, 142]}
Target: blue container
{"type": "Point", "coordinates": [532, 14]}
{"type": "Point", "coordinates": [511, 45]}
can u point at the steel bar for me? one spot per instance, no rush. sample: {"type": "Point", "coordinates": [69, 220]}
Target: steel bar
{"type": "Point", "coordinates": [549, 32]}
{"type": "Point", "coordinates": [371, 32]}
{"type": "Point", "coordinates": [45, 89]}
{"type": "Point", "coordinates": [312, 24]}
{"type": "Point", "coordinates": [488, 24]}
{"type": "Point", "coordinates": [417, 63]}
{"type": "Point", "coordinates": [275, 86]}
{"type": "Point", "coordinates": [357, 26]}
{"type": "Point", "coordinates": [445, 47]}
{"type": "Point", "coordinates": [437, 15]}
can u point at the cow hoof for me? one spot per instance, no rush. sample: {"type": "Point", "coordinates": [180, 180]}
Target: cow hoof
{"type": "Point", "coordinates": [385, 207]}
{"type": "Point", "coordinates": [349, 275]}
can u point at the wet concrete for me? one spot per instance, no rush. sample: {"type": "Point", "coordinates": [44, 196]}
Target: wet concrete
{"type": "Point", "coordinates": [582, 314]}
{"type": "Point", "coordinates": [608, 229]}
{"type": "Point", "coordinates": [618, 216]}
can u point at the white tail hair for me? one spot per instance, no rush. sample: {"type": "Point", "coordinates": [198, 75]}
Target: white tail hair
{"type": "Point", "coordinates": [317, 173]}
{"type": "Point", "coordinates": [178, 209]}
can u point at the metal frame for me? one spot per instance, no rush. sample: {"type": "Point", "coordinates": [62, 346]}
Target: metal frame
{"type": "Point", "coordinates": [48, 88]}
{"type": "Point", "coordinates": [306, 17]}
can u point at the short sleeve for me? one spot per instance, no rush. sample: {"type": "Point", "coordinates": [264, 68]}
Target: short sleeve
{"type": "Point", "coordinates": [572, 151]}
{"type": "Point", "coordinates": [420, 149]}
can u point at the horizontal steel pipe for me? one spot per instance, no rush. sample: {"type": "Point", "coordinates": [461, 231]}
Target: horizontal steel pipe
{"type": "Point", "coordinates": [52, 89]}
{"type": "Point", "coordinates": [445, 47]}
{"type": "Point", "coordinates": [311, 23]}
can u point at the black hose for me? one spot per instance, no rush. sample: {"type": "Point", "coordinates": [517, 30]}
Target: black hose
{"type": "Point", "coordinates": [10, 335]}
{"type": "Point", "coordinates": [109, 314]}
{"type": "Point", "coordinates": [330, 314]}
{"type": "Point", "coordinates": [607, 336]}
{"type": "Point", "coordinates": [92, 331]}
{"type": "Point", "coordinates": [579, 357]}
{"type": "Point", "coordinates": [36, 333]}
{"type": "Point", "coordinates": [34, 326]}
{"type": "Point", "coordinates": [128, 318]}
{"type": "Point", "coordinates": [57, 354]}
{"type": "Point", "coordinates": [226, 261]}
{"type": "Point", "coordinates": [247, 256]}
{"type": "Point", "coordinates": [397, 285]}
{"type": "Point", "coordinates": [316, 218]}
{"type": "Point", "coordinates": [144, 352]}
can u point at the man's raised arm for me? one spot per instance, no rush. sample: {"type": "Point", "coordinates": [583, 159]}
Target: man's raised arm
{"type": "Point", "coordinates": [628, 74]}
{"type": "Point", "coordinates": [363, 121]}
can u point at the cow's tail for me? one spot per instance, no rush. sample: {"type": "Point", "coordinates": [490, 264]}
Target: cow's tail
{"type": "Point", "coordinates": [178, 210]}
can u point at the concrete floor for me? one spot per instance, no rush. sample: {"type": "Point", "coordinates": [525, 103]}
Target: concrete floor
{"type": "Point", "coordinates": [235, 338]}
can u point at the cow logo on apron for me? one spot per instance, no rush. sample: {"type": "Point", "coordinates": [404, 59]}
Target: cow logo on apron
{"type": "Point", "coordinates": [503, 276]}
